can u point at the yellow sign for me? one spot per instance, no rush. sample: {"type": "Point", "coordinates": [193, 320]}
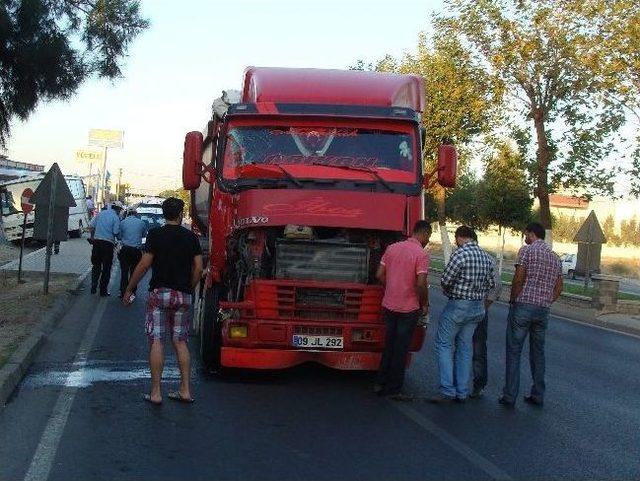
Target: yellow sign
{"type": "Point", "coordinates": [86, 156]}
{"type": "Point", "coordinates": [106, 138]}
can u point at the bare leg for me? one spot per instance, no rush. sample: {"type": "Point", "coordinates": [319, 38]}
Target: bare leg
{"type": "Point", "coordinates": [184, 363]}
{"type": "Point", "coordinates": [156, 361]}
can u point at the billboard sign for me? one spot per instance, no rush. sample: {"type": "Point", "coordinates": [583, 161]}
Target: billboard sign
{"type": "Point", "coordinates": [89, 156]}
{"type": "Point", "coordinates": [106, 138]}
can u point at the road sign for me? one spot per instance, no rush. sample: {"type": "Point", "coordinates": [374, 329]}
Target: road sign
{"type": "Point", "coordinates": [53, 199]}
{"type": "Point", "coordinates": [25, 201]}
{"type": "Point", "coordinates": [106, 138]}
{"type": "Point", "coordinates": [89, 156]}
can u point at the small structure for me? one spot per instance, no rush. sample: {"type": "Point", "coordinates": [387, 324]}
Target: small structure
{"type": "Point", "coordinates": [605, 293]}
{"type": "Point", "coordinates": [590, 238]}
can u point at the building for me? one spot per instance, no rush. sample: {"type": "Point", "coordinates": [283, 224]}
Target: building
{"type": "Point", "coordinates": [10, 169]}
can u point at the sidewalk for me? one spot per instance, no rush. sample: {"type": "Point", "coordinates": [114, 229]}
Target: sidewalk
{"type": "Point", "coordinates": [74, 258]}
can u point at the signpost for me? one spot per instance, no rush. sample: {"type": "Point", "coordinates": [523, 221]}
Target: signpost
{"type": "Point", "coordinates": [27, 208]}
{"type": "Point", "coordinates": [52, 199]}
{"type": "Point", "coordinates": [105, 139]}
{"type": "Point", "coordinates": [90, 156]}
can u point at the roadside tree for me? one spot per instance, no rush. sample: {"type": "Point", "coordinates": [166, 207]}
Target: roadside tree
{"type": "Point", "coordinates": [504, 196]}
{"type": "Point", "coordinates": [49, 47]}
{"type": "Point", "coordinates": [545, 53]}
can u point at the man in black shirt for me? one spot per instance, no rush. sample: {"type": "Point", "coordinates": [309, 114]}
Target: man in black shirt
{"type": "Point", "coordinates": [174, 255]}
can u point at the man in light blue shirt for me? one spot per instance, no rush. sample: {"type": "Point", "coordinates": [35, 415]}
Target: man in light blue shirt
{"type": "Point", "coordinates": [104, 229]}
{"type": "Point", "coordinates": [132, 231]}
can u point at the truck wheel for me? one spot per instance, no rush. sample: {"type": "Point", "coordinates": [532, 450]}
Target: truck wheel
{"type": "Point", "coordinates": [75, 234]}
{"type": "Point", "coordinates": [571, 274]}
{"type": "Point", "coordinates": [211, 331]}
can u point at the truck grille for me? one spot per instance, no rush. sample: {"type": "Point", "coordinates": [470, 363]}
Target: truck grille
{"type": "Point", "coordinates": [306, 300]}
{"type": "Point", "coordinates": [322, 261]}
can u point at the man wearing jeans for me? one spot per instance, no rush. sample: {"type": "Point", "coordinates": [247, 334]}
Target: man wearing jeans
{"type": "Point", "coordinates": [403, 271]}
{"type": "Point", "coordinates": [537, 283]}
{"type": "Point", "coordinates": [466, 280]}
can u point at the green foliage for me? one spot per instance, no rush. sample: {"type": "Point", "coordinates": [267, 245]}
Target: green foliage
{"type": "Point", "coordinates": [609, 229]}
{"type": "Point", "coordinates": [548, 55]}
{"type": "Point", "coordinates": [463, 204]}
{"type": "Point", "coordinates": [565, 227]}
{"type": "Point", "coordinates": [182, 194]}
{"type": "Point", "coordinates": [505, 198]}
{"type": "Point", "coordinates": [49, 47]}
{"type": "Point", "coordinates": [630, 232]}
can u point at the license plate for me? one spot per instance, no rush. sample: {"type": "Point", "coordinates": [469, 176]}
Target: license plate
{"type": "Point", "coordinates": [311, 342]}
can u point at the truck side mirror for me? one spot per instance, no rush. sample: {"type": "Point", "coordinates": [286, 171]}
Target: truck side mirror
{"type": "Point", "coordinates": [447, 165]}
{"type": "Point", "coordinates": [192, 161]}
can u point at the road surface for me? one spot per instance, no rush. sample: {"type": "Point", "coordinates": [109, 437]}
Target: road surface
{"type": "Point", "coordinates": [78, 414]}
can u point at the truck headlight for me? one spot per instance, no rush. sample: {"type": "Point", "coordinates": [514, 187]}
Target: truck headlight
{"type": "Point", "coordinates": [238, 330]}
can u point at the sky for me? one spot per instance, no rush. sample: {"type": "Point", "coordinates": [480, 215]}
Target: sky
{"type": "Point", "coordinates": [192, 51]}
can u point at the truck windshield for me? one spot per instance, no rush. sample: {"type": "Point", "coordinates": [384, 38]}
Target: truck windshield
{"type": "Point", "coordinates": [370, 149]}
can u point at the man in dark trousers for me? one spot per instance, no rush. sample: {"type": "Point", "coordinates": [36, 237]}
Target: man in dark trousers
{"type": "Point", "coordinates": [104, 228]}
{"type": "Point", "coordinates": [175, 257]}
{"type": "Point", "coordinates": [403, 271]}
{"type": "Point", "coordinates": [132, 231]}
{"type": "Point", "coordinates": [480, 371]}
{"type": "Point", "coordinates": [537, 283]}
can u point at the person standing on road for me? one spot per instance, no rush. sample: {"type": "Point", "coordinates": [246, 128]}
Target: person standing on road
{"type": "Point", "coordinates": [132, 231]}
{"type": "Point", "coordinates": [403, 271]}
{"type": "Point", "coordinates": [537, 283]}
{"type": "Point", "coordinates": [466, 280]}
{"type": "Point", "coordinates": [479, 362]}
{"type": "Point", "coordinates": [103, 229]}
{"type": "Point", "coordinates": [90, 206]}
{"type": "Point", "coordinates": [174, 255]}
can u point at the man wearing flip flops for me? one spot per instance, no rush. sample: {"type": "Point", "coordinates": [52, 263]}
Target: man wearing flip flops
{"type": "Point", "coordinates": [174, 255]}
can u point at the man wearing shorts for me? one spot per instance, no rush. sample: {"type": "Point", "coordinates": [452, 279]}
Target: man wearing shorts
{"type": "Point", "coordinates": [174, 255]}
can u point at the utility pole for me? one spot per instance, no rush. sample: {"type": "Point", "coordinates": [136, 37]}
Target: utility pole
{"type": "Point", "coordinates": [119, 184]}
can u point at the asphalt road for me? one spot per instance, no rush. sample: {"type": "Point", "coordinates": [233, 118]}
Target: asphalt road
{"type": "Point", "coordinates": [79, 415]}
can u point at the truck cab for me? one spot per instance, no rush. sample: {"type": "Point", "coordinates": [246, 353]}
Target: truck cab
{"type": "Point", "coordinates": [300, 188]}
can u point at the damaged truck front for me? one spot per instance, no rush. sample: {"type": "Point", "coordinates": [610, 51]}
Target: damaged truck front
{"type": "Point", "coordinates": [299, 187]}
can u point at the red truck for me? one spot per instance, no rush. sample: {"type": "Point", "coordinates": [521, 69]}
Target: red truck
{"type": "Point", "coordinates": [299, 188]}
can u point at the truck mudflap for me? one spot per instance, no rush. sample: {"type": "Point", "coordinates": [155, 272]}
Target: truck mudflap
{"type": "Point", "coordinates": [282, 359]}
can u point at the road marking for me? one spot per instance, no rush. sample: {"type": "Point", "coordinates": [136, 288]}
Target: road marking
{"type": "Point", "coordinates": [45, 453]}
{"type": "Point", "coordinates": [603, 328]}
{"type": "Point", "coordinates": [461, 448]}
{"type": "Point", "coordinates": [583, 323]}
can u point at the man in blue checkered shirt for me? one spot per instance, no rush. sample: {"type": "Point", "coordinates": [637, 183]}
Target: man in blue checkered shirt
{"type": "Point", "coordinates": [466, 280]}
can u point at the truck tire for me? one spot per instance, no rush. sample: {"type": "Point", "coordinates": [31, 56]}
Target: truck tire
{"type": "Point", "coordinates": [211, 331]}
{"type": "Point", "coordinates": [571, 274]}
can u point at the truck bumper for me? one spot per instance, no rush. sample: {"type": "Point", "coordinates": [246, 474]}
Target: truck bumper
{"type": "Point", "coordinates": [281, 359]}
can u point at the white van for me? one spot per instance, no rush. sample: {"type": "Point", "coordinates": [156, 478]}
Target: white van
{"type": "Point", "coordinates": [12, 217]}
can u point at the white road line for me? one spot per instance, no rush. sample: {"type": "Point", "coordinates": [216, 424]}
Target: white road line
{"type": "Point", "coordinates": [45, 453]}
{"type": "Point", "coordinates": [603, 328]}
{"type": "Point", "coordinates": [458, 446]}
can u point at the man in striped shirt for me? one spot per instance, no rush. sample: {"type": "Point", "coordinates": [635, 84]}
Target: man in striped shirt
{"type": "Point", "coordinates": [466, 280]}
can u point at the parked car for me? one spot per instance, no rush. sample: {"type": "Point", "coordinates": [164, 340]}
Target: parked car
{"type": "Point", "coordinates": [569, 265]}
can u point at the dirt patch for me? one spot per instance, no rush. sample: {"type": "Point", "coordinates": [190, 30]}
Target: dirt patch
{"type": "Point", "coordinates": [23, 305]}
{"type": "Point", "coordinates": [9, 252]}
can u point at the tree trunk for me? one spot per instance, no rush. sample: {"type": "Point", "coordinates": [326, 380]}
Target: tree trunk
{"type": "Point", "coordinates": [442, 222]}
{"type": "Point", "coordinates": [543, 157]}
{"type": "Point", "coordinates": [501, 260]}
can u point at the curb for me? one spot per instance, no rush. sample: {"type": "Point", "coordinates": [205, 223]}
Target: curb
{"type": "Point", "coordinates": [17, 365]}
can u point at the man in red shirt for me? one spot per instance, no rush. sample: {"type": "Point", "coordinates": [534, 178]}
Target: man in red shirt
{"type": "Point", "coordinates": [403, 271]}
